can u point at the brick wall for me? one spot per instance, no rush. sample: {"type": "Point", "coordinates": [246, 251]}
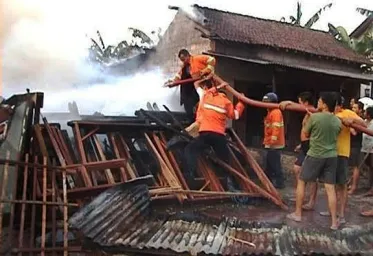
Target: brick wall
{"type": "Point", "coordinates": [180, 34]}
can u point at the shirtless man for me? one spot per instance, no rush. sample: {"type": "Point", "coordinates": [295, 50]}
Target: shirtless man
{"type": "Point", "coordinates": [305, 99]}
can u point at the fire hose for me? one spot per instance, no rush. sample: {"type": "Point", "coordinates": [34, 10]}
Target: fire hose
{"type": "Point", "coordinates": [260, 104]}
{"type": "Point", "coordinates": [292, 107]}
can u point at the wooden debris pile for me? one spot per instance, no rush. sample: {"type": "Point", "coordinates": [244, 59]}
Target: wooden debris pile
{"type": "Point", "coordinates": [102, 153]}
{"type": "Point", "coordinates": [60, 170]}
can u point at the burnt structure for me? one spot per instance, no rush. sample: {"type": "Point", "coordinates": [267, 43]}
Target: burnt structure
{"type": "Point", "coordinates": [47, 172]}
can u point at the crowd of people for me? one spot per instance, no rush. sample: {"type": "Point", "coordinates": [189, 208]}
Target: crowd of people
{"type": "Point", "coordinates": [328, 146]}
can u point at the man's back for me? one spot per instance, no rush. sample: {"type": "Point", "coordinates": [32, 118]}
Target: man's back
{"type": "Point", "coordinates": [324, 129]}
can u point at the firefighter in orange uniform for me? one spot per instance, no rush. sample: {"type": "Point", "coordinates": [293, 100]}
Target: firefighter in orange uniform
{"type": "Point", "coordinates": [274, 141]}
{"type": "Point", "coordinates": [194, 66]}
{"type": "Point", "coordinates": [213, 110]}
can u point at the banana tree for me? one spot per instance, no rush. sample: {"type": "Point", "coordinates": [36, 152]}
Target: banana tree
{"type": "Point", "coordinates": [297, 19]}
{"type": "Point", "coordinates": [363, 45]}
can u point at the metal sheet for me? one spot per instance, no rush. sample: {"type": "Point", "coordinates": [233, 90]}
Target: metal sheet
{"type": "Point", "coordinates": [121, 220]}
{"type": "Point", "coordinates": [13, 144]}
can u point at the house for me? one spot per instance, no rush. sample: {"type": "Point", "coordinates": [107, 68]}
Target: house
{"type": "Point", "coordinates": [257, 56]}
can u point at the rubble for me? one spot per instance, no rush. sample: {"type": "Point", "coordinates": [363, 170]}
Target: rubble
{"type": "Point", "coordinates": [48, 172]}
{"type": "Point", "coordinates": [123, 220]}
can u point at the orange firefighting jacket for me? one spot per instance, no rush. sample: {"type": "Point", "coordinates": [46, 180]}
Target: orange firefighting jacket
{"type": "Point", "coordinates": [274, 134]}
{"type": "Point", "coordinates": [214, 109]}
{"type": "Point", "coordinates": [204, 64]}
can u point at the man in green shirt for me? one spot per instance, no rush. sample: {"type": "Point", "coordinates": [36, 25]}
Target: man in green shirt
{"type": "Point", "coordinates": [321, 161]}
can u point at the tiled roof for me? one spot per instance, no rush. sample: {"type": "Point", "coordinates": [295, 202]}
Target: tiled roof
{"type": "Point", "coordinates": [122, 219]}
{"type": "Point", "coordinates": [240, 28]}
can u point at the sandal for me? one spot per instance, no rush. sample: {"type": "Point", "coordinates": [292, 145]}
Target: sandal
{"type": "Point", "coordinates": [334, 228]}
{"type": "Point", "coordinates": [342, 220]}
{"type": "Point", "coordinates": [307, 207]}
{"type": "Point", "coordinates": [294, 217]}
{"type": "Point", "coordinates": [325, 214]}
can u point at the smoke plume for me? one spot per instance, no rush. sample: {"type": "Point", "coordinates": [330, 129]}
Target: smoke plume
{"type": "Point", "coordinates": [122, 96]}
{"type": "Point", "coordinates": [39, 51]}
{"type": "Point", "coordinates": [45, 48]}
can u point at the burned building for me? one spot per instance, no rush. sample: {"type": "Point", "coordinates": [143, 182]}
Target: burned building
{"type": "Point", "coordinates": [257, 56]}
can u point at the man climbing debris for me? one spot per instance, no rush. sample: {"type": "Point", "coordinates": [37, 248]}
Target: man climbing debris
{"type": "Point", "coordinates": [274, 141]}
{"type": "Point", "coordinates": [213, 110]}
{"type": "Point", "coordinates": [193, 66]}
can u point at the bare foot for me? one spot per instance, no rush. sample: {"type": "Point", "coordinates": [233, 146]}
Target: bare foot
{"type": "Point", "coordinates": [308, 206]}
{"type": "Point", "coordinates": [294, 217]}
{"type": "Point", "coordinates": [368, 213]}
{"type": "Point", "coordinates": [351, 191]}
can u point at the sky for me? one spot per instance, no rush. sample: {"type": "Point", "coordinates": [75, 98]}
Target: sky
{"type": "Point", "coordinates": [44, 42]}
{"type": "Point", "coordinates": [152, 14]}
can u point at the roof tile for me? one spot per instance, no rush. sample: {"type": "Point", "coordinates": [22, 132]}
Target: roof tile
{"type": "Point", "coordinates": [251, 30]}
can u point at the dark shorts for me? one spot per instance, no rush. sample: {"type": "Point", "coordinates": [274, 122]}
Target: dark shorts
{"type": "Point", "coordinates": [368, 159]}
{"type": "Point", "coordinates": [300, 158]}
{"type": "Point", "coordinates": [305, 146]}
{"type": "Point", "coordinates": [342, 170]}
{"type": "Point", "coordinates": [355, 157]}
{"type": "Point", "coordinates": [322, 169]}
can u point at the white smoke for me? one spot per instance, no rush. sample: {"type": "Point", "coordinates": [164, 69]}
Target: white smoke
{"type": "Point", "coordinates": [40, 51]}
{"type": "Point", "coordinates": [122, 96]}
{"type": "Point", "coordinates": [45, 47]}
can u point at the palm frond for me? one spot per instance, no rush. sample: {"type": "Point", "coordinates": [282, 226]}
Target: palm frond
{"type": "Point", "coordinates": [364, 11]}
{"type": "Point", "coordinates": [317, 15]}
{"type": "Point", "coordinates": [299, 13]}
{"type": "Point", "coordinates": [293, 20]}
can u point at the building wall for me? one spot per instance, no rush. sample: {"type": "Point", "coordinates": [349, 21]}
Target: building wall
{"type": "Point", "coordinates": [254, 80]}
{"type": "Point", "coordinates": [180, 34]}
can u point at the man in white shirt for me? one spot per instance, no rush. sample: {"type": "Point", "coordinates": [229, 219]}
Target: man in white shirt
{"type": "Point", "coordinates": [367, 148]}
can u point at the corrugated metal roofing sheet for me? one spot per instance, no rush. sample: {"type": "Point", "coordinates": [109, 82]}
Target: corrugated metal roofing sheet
{"type": "Point", "coordinates": [121, 219]}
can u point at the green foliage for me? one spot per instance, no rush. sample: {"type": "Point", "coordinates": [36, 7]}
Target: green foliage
{"type": "Point", "coordinates": [362, 45]}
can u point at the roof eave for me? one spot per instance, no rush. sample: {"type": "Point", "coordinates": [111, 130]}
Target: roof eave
{"type": "Point", "coordinates": [359, 30]}
{"type": "Point", "coordinates": [367, 62]}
